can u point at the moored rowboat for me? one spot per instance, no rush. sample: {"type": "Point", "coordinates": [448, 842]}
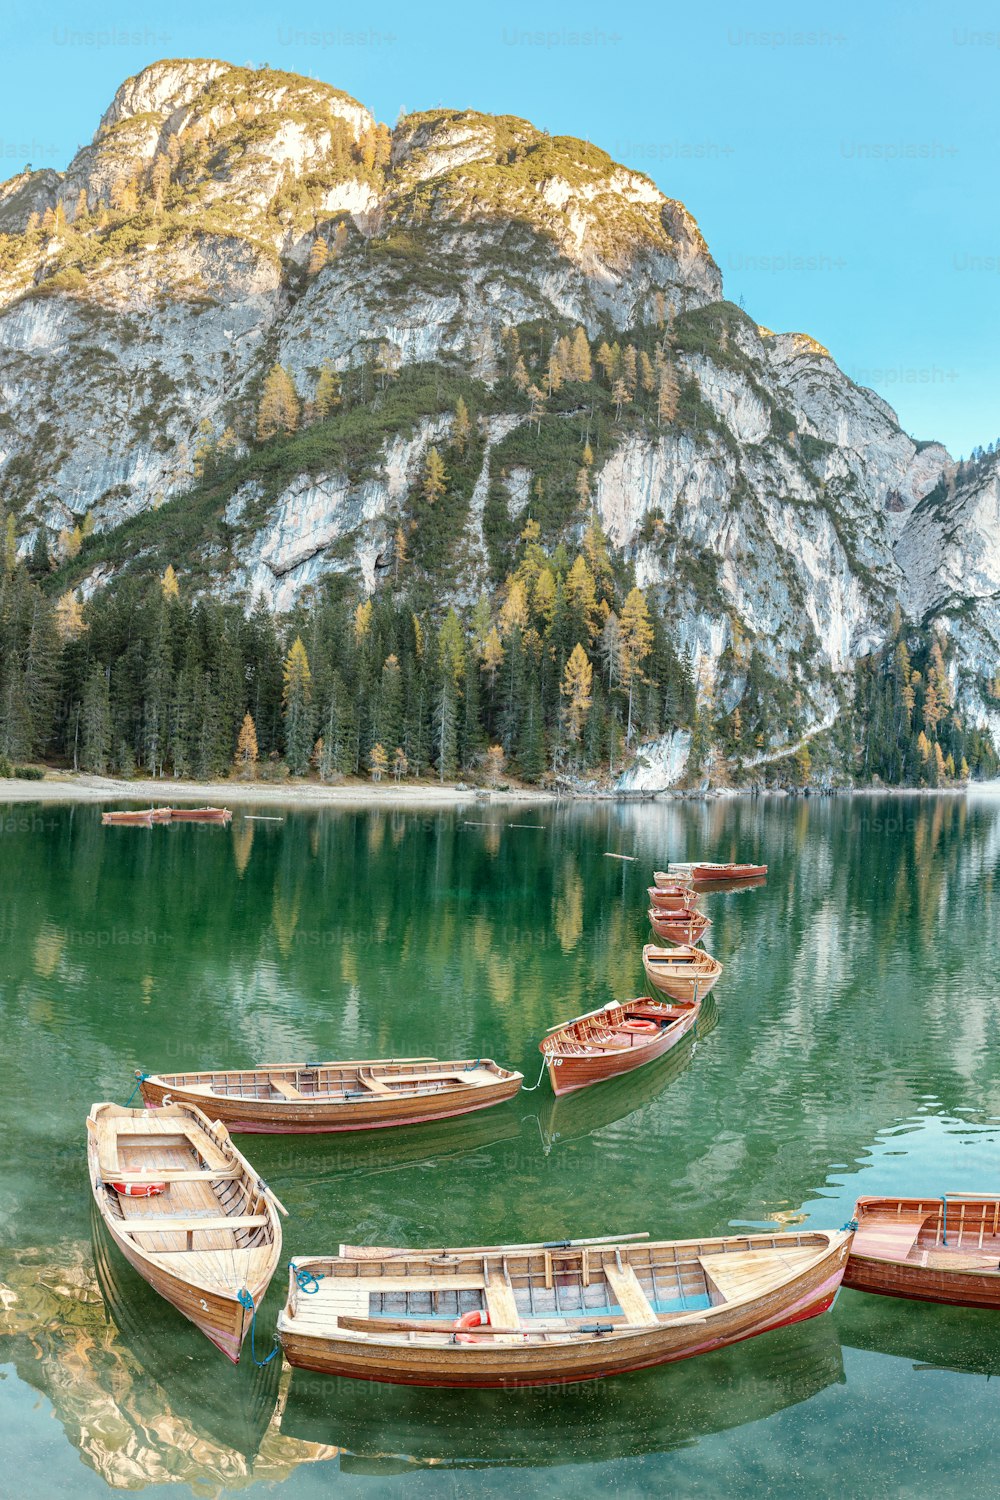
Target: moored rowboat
{"type": "Point", "coordinates": [197, 814]}
{"type": "Point", "coordinates": [188, 1212]}
{"type": "Point", "coordinates": [931, 1249]}
{"type": "Point", "coordinates": [614, 1040]}
{"type": "Point", "coordinates": [708, 871]}
{"type": "Point", "coordinates": [670, 897]}
{"type": "Point", "coordinates": [685, 973]}
{"type": "Point", "coordinates": [683, 926]}
{"type": "Point", "coordinates": [143, 819]}
{"type": "Point", "coordinates": [517, 1315]}
{"type": "Point", "coordinates": [311, 1098]}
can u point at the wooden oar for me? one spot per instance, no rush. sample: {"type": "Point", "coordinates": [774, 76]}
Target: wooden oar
{"type": "Point", "coordinates": [300, 1067]}
{"type": "Point", "coordinates": [385, 1252]}
{"type": "Point", "coordinates": [402, 1325]}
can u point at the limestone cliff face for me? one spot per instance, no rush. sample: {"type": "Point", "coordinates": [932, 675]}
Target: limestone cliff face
{"type": "Point", "coordinates": [146, 290]}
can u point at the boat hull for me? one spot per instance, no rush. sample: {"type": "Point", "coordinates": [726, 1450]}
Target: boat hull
{"type": "Point", "coordinates": [476, 1365]}
{"type": "Point", "coordinates": [683, 981]}
{"type": "Point", "coordinates": [218, 1314]}
{"type": "Point", "coordinates": [920, 1269]}
{"type": "Point", "coordinates": [223, 1320]}
{"type": "Point", "coordinates": [569, 1072]}
{"type": "Point", "coordinates": [672, 898]}
{"type": "Point", "coordinates": [314, 1117]}
{"type": "Point", "coordinates": [685, 926]}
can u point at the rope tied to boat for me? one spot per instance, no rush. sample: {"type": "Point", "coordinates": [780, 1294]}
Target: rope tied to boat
{"type": "Point", "coordinates": [535, 1085]}
{"type": "Point", "coordinates": [849, 1227]}
{"type": "Point", "coordinates": [140, 1079]}
{"type": "Point", "coordinates": [245, 1300]}
{"type": "Point", "coordinates": [303, 1278]}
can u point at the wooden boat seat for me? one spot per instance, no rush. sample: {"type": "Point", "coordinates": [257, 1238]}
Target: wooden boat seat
{"type": "Point", "coordinates": [375, 1084]}
{"type": "Point", "coordinates": [167, 1224]}
{"type": "Point", "coordinates": [748, 1274]}
{"type": "Point", "coordinates": [170, 1129]}
{"type": "Point", "coordinates": [889, 1239]}
{"type": "Point", "coordinates": [288, 1090]}
{"type": "Point", "coordinates": [500, 1302]}
{"type": "Point", "coordinates": [629, 1295]}
{"type": "Point", "coordinates": [170, 1174]}
{"type": "Point", "coordinates": [959, 1260]}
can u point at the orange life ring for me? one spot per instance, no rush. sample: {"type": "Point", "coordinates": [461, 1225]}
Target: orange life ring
{"type": "Point", "coordinates": [640, 1026]}
{"type": "Point", "coordinates": [139, 1189]}
{"type": "Point", "coordinates": [468, 1320]}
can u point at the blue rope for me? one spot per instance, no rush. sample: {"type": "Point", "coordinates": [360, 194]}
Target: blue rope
{"type": "Point", "coordinates": [851, 1224]}
{"type": "Point", "coordinates": [140, 1080]}
{"type": "Point", "coordinates": [245, 1300]}
{"type": "Point", "coordinates": [303, 1277]}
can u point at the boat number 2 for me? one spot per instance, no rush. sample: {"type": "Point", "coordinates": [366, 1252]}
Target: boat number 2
{"type": "Point", "coordinates": [203, 1303]}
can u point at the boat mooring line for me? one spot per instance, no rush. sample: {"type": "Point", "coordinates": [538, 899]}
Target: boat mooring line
{"type": "Point", "coordinates": [535, 1085]}
{"type": "Point", "coordinates": [245, 1300]}
{"type": "Point", "coordinates": [140, 1080]}
{"type": "Point", "coordinates": [303, 1278]}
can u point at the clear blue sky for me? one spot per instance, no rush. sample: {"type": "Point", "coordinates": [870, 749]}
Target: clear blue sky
{"type": "Point", "coordinates": [841, 160]}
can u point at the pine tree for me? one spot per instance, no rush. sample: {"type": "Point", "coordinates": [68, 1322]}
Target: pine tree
{"type": "Point", "coordinates": [576, 689]}
{"type": "Point", "coordinates": [582, 597]}
{"type": "Point", "coordinates": [667, 396]}
{"type": "Point", "coordinates": [69, 617]}
{"type": "Point", "coordinates": [9, 542]}
{"type": "Point", "coordinates": [461, 427]}
{"type": "Point", "coordinates": [247, 753]}
{"type": "Point", "coordinates": [637, 639]}
{"type": "Point", "coordinates": [378, 762]}
{"type": "Point", "coordinates": [494, 763]}
{"type": "Point", "coordinates": [492, 656]}
{"type": "Point", "coordinates": [95, 748]}
{"type": "Point", "coordinates": [630, 372]}
{"type": "Point", "coordinates": [581, 366]}
{"type": "Point", "coordinates": [450, 670]}
{"type": "Point", "coordinates": [607, 362]}
{"type": "Point", "coordinates": [317, 256]}
{"type": "Point", "coordinates": [327, 396]}
{"type": "Point", "coordinates": [279, 405]}
{"type": "Point", "coordinates": [435, 478]}
{"type": "Point", "coordinates": [297, 699]}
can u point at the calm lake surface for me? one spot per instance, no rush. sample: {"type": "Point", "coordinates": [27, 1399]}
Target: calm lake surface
{"type": "Point", "coordinates": [852, 1046]}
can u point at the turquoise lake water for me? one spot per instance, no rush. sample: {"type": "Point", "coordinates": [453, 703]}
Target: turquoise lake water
{"type": "Point", "coordinates": [851, 1046]}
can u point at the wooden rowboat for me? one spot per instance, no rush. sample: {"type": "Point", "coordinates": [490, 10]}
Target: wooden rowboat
{"type": "Point", "coordinates": [309, 1098]}
{"type": "Point", "coordinates": [683, 926]}
{"type": "Point", "coordinates": [188, 1212]}
{"type": "Point", "coordinates": [707, 871]}
{"type": "Point", "coordinates": [143, 819]}
{"type": "Point", "coordinates": [684, 973]}
{"type": "Point", "coordinates": [521, 1315]}
{"type": "Point", "coordinates": [613, 1040]}
{"type": "Point", "coordinates": [197, 814]}
{"type": "Point", "coordinates": [670, 897]}
{"type": "Point", "coordinates": [931, 1249]}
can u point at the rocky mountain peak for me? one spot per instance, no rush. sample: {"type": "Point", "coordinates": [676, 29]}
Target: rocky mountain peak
{"type": "Point", "coordinates": [226, 219]}
{"type": "Point", "coordinates": [161, 88]}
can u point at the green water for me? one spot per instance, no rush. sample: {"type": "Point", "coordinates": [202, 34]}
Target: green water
{"type": "Point", "coordinates": [853, 1048]}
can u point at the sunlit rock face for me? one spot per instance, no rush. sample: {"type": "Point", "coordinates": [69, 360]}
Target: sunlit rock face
{"type": "Point", "coordinates": [145, 291]}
